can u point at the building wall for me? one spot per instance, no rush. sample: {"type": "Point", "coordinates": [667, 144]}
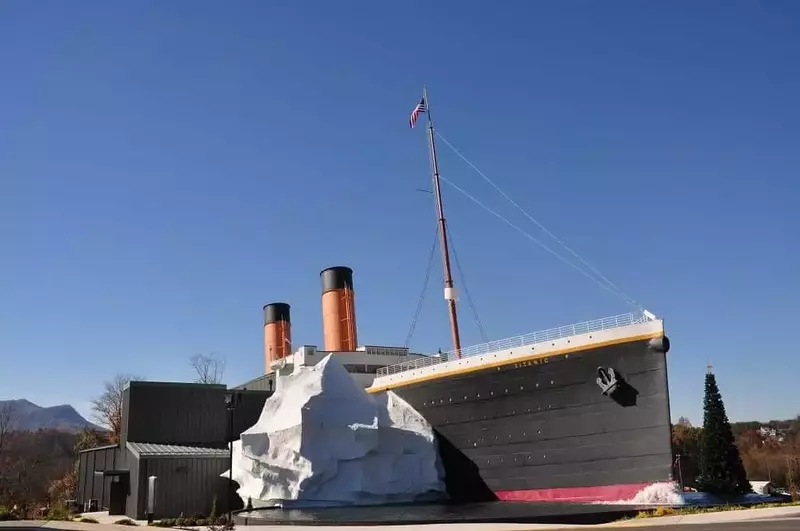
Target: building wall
{"type": "Point", "coordinates": [91, 486]}
{"type": "Point", "coordinates": [185, 486]}
{"type": "Point", "coordinates": [170, 413]}
{"type": "Point", "coordinates": [249, 410]}
{"type": "Point", "coordinates": [135, 492]}
{"type": "Point", "coordinates": [265, 382]}
{"type": "Point", "coordinates": [126, 406]}
{"type": "Point", "coordinates": [164, 412]}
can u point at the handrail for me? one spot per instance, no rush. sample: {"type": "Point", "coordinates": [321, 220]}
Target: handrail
{"type": "Point", "coordinates": [606, 323]}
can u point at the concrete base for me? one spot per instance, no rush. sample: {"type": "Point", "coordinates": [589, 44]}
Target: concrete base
{"type": "Point", "coordinates": [418, 514]}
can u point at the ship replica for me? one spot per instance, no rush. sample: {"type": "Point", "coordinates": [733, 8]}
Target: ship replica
{"type": "Point", "coordinates": [578, 413]}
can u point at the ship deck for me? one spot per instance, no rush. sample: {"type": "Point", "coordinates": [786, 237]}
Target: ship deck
{"type": "Point", "coordinates": [574, 336]}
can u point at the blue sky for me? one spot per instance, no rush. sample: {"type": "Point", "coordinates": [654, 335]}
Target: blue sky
{"type": "Point", "coordinates": [168, 168]}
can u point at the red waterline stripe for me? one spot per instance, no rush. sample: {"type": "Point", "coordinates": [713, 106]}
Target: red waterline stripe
{"type": "Point", "coordinates": [607, 493]}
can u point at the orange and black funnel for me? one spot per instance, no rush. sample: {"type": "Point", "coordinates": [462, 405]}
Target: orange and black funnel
{"type": "Point", "coordinates": [338, 309]}
{"type": "Point", "coordinates": [277, 332]}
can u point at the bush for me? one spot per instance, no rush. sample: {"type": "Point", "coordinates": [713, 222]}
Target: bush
{"type": "Point", "coordinates": [85, 520]}
{"type": "Point", "coordinates": [125, 521]}
{"type": "Point", "coordinates": [166, 522]}
{"type": "Point", "coordinates": [664, 511]}
{"type": "Point", "coordinates": [58, 511]}
{"type": "Point", "coordinates": [6, 514]}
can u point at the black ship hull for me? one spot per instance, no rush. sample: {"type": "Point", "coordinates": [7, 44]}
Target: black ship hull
{"type": "Point", "coordinates": [544, 429]}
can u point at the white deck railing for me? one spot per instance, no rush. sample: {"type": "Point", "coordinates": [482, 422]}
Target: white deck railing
{"type": "Point", "coordinates": [606, 323]}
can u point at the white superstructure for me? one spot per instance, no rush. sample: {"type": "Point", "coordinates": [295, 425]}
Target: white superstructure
{"type": "Point", "coordinates": [363, 364]}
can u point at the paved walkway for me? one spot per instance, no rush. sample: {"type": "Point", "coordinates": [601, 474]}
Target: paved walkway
{"type": "Point", "coordinates": [773, 519]}
{"type": "Point", "coordinates": [746, 515]}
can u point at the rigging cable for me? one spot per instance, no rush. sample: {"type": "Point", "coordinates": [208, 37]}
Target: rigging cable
{"type": "Point", "coordinates": [431, 256]}
{"type": "Point", "coordinates": [613, 288]}
{"type": "Point", "coordinates": [484, 338]}
{"type": "Point", "coordinates": [533, 239]}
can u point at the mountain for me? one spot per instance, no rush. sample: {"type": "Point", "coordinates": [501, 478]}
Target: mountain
{"type": "Point", "coordinates": [29, 416]}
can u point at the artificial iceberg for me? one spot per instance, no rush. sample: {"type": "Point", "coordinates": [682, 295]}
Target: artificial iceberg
{"type": "Point", "coordinates": [322, 440]}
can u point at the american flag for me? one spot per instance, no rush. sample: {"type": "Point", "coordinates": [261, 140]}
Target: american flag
{"type": "Point", "coordinates": [417, 110]}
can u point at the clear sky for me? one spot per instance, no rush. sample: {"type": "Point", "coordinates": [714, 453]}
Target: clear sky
{"type": "Point", "coordinates": [166, 168]}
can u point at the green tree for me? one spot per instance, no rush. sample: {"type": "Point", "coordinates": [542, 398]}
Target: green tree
{"type": "Point", "coordinates": [720, 466]}
{"type": "Point", "coordinates": [686, 447]}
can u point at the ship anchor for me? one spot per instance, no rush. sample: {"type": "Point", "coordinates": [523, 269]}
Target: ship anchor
{"type": "Point", "coordinates": [607, 380]}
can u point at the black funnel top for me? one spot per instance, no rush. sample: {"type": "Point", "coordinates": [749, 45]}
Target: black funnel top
{"type": "Point", "coordinates": [337, 277]}
{"type": "Point", "coordinates": [276, 311]}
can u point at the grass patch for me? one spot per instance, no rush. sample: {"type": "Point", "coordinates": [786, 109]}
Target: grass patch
{"type": "Point", "coordinates": [125, 521]}
{"type": "Point", "coordinates": [86, 520]}
{"type": "Point", "coordinates": [683, 511]}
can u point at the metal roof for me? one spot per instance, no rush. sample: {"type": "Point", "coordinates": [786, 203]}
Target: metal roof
{"type": "Point", "coordinates": [141, 449]}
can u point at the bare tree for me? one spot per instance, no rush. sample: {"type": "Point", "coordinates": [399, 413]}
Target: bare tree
{"type": "Point", "coordinates": [8, 421]}
{"type": "Point", "coordinates": [107, 408]}
{"type": "Point", "coordinates": [209, 368]}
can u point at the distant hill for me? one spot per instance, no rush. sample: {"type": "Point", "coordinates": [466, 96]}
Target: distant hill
{"type": "Point", "coordinates": [29, 416]}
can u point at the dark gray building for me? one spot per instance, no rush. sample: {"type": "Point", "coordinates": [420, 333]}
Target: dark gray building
{"type": "Point", "coordinates": [265, 382]}
{"type": "Point", "coordinates": [178, 433]}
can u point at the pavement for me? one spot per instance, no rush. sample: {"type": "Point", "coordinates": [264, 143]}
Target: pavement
{"type": "Point", "coordinates": [772, 519]}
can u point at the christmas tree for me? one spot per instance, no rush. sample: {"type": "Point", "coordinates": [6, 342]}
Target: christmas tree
{"type": "Point", "coordinates": [720, 466]}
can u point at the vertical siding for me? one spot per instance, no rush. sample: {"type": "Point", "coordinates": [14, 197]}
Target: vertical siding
{"type": "Point", "coordinates": [249, 410]}
{"type": "Point", "coordinates": [132, 503]}
{"type": "Point", "coordinates": [91, 486]}
{"type": "Point", "coordinates": [81, 495]}
{"type": "Point", "coordinates": [158, 412]}
{"type": "Point", "coordinates": [176, 413]}
{"type": "Point", "coordinates": [126, 408]}
{"type": "Point", "coordinates": [187, 414]}
{"type": "Point", "coordinates": [188, 486]}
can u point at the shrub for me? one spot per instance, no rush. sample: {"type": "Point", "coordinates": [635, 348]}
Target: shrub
{"type": "Point", "coordinates": [86, 520]}
{"type": "Point", "coordinates": [213, 515]}
{"type": "Point", "coordinates": [58, 511]}
{"type": "Point", "coordinates": [125, 521]}
{"type": "Point", "coordinates": [166, 522]}
{"type": "Point", "coordinates": [6, 514]}
{"type": "Point", "coordinates": [664, 511]}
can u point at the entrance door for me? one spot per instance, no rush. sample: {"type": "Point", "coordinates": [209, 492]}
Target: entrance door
{"type": "Point", "coordinates": [117, 495]}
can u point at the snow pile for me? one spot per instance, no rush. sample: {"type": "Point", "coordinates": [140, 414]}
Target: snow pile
{"type": "Point", "coordinates": [322, 440]}
{"type": "Point", "coordinates": [656, 494]}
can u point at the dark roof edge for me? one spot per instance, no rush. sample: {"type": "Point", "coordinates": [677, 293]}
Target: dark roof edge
{"type": "Point", "coordinates": [148, 383]}
{"type": "Point", "coordinates": [98, 448]}
{"type": "Point", "coordinates": [250, 382]}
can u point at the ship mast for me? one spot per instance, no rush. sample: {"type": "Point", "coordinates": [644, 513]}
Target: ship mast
{"type": "Point", "coordinates": [449, 291]}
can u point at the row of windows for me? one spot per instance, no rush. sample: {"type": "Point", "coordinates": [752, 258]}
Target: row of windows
{"type": "Point", "coordinates": [362, 368]}
{"type": "Point", "coordinates": [386, 351]}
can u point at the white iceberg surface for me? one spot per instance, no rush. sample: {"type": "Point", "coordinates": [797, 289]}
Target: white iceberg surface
{"type": "Point", "coordinates": [322, 440]}
{"type": "Point", "coordinates": [666, 493]}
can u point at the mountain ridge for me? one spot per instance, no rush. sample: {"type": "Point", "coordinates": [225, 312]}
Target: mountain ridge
{"type": "Point", "coordinates": [25, 415]}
